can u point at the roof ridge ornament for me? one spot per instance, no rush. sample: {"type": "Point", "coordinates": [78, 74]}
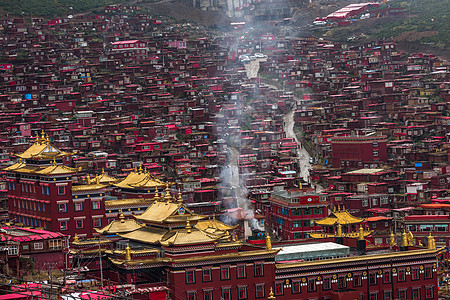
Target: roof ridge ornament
{"type": "Point", "coordinates": [121, 216]}
{"type": "Point", "coordinates": [188, 226]}
{"type": "Point", "coordinates": [156, 197]}
{"type": "Point", "coordinates": [180, 198]}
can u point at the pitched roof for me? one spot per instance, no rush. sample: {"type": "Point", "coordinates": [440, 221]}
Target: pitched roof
{"type": "Point", "coordinates": [342, 217]}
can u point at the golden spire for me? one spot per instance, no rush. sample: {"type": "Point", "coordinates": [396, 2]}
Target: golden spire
{"type": "Point", "coordinates": [431, 242]}
{"type": "Point", "coordinates": [75, 238]}
{"type": "Point", "coordinates": [271, 296]}
{"type": "Point", "coordinates": [167, 195]}
{"type": "Point", "coordinates": [128, 253]}
{"type": "Point", "coordinates": [268, 242]}
{"type": "Point", "coordinates": [97, 179]}
{"type": "Point", "coordinates": [392, 240]}
{"type": "Point", "coordinates": [103, 171]}
{"type": "Point", "coordinates": [214, 216]}
{"type": "Point", "coordinates": [404, 239]}
{"type": "Point", "coordinates": [47, 140]}
{"type": "Point", "coordinates": [88, 178]}
{"type": "Point", "coordinates": [156, 197]}
{"type": "Point", "coordinates": [37, 138]}
{"type": "Point", "coordinates": [180, 198]}
{"type": "Point", "coordinates": [343, 207]}
{"type": "Point", "coordinates": [361, 233]}
{"type": "Point", "coordinates": [188, 226]}
{"type": "Point", "coordinates": [42, 135]}
{"type": "Point", "coordinates": [339, 230]}
{"type": "Point", "coordinates": [135, 169]}
{"type": "Point", "coordinates": [121, 216]}
{"type": "Point", "coordinates": [54, 162]}
{"type": "Point", "coordinates": [140, 169]}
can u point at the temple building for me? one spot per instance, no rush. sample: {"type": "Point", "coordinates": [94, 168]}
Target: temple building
{"type": "Point", "coordinates": [42, 192]}
{"type": "Point", "coordinates": [178, 254]}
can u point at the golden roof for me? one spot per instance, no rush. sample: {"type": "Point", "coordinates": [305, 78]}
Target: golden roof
{"type": "Point", "coordinates": [168, 212]}
{"type": "Point", "coordinates": [88, 187]}
{"type": "Point", "coordinates": [52, 169]}
{"type": "Point", "coordinates": [342, 217]}
{"type": "Point", "coordinates": [187, 236]}
{"type": "Point", "coordinates": [106, 179]}
{"type": "Point", "coordinates": [43, 149]}
{"type": "Point", "coordinates": [55, 169]}
{"type": "Point", "coordinates": [146, 234]}
{"type": "Point", "coordinates": [214, 227]}
{"type": "Point", "coordinates": [120, 226]}
{"type": "Point", "coordinates": [140, 179]}
{"type": "Point", "coordinates": [125, 202]}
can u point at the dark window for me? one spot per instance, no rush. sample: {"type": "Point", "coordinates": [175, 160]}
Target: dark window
{"type": "Point", "coordinates": [387, 277]}
{"type": "Point", "coordinates": [62, 225]}
{"type": "Point", "coordinates": [401, 276]}
{"type": "Point", "coordinates": [415, 274]}
{"type": "Point", "coordinates": [226, 293]}
{"type": "Point", "coordinates": [191, 295]}
{"type": "Point", "coordinates": [296, 287]}
{"type": "Point", "coordinates": [259, 269]}
{"type": "Point", "coordinates": [61, 190]}
{"type": "Point", "coordinates": [62, 208]}
{"type": "Point", "coordinates": [402, 294]}
{"type": "Point", "coordinates": [225, 273]}
{"type": "Point", "coordinates": [326, 284]}
{"type": "Point", "coordinates": [372, 278]}
{"type": "Point", "coordinates": [242, 292]}
{"type": "Point", "coordinates": [240, 271]}
{"type": "Point", "coordinates": [416, 294]}
{"type": "Point", "coordinates": [387, 295]}
{"type": "Point", "coordinates": [429, 292]}
{"type": "Point", "coordinates": [373, 296]}
{"type": "Point", "coordinates": [278, 288]}
{"type": "Point", "coordinates": [428, 272]}
{"type": "Point", "coordinates": [259, 290]}
{"type": "Point", "coordinates": [206, 272]}
{"type": "Point", "coordinates": [311, 285]}
{"type": "Point", "coordinates": [79, 224]}
{"type": "Point", "coordinates": [207, 295]}
{"type": "Point", "coordinates": [190, 276]}
{"type": "Point", "coordinates": [95, 205]}
{"type": "Point", "coordinates": [342, 282]}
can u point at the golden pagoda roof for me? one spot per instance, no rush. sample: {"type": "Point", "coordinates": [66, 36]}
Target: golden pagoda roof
{"type": "Point", "coordinates": [56, 169]}
{"type": "Point", "coordinates": [88, 187]}
{"type": "Point", "coordinates": [43, 149]}
{"type": "Point", "coordinates": [140, 179]}
{"type": "Point", "coordinates": [213, 226]}
{"type": "Point", "coordinates": [145, 234]}
{"type": "Point", "coordinates": [18, 165]}
{"type": "Point", "coordinates": [125, 202]}
{"type": "Point", "coordinates": [120, 226]}
{"type": "Point", "coordinates": [168, 212]}
{"type": "Point", "coordinates": [342, 217]}
{"type": "Point", "coordinates": [187, 236]}
{"type": "Point", "coordinates": [106, 179]}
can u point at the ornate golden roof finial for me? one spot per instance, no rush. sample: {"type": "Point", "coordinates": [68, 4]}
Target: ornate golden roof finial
{"type": "Point", "coordinates": [156, 197]}
{"type": "Point", "coordinates": [103, 171]}
{"type": "Point", "coordinates": [188, 226]}
{"type": "Point", "coordinates": [339, 207]}
{"type": "Point", "coordinates": [54, 162]}
{"type": "Point", "coordinates": [343, 207]}
{"type": "Point", "coordinates": [361, 233]}
{"type": "Point", "coordinates": [180, 198]}
{"type": "Point", "coordinates": [410, 238]}
{"type": "Point", "coordinates": [47, 140]}
{"type": "Point", "coordinates": [88, 178]}
{"type": "Point", "coordinates": [404, 239]}
{"type": "Point", "coordinates": [214, 216]}
{"type": "Point", "coordinates": [167, 195]}
{"type": "Point", "coordinates": [42, 135]}
{"type": "Point", "coordinates": [431, 242]}
{"type": "Point", "coordinates": [20, 160]}
{"type": "Point", "coordinates": [97, 179]}
{"type": "Point", "coordinates": [121, 216]}
{"type": "Point", "coordinates": [145, 170]}
{"type": "Point", "coordinates": [334, 208]}
{"type": "Point", "coordinates": [339, 230]}
{"type": "Point", "coordinates": [75, 238]}
{"type": "Point", "coordinates": [135, 169]}
{"type": "Point", "coordinates": [140, 169]}
{"type": "Point", "coordinates": [271, 296]}
{"type": "Point", "coordinates": [392, 240]}
{"type": "Point", "coordinates": [128, 253]}
{"type": "Point", "coordinates": [268, 242]}
{"type": "Point", "coordinates": [37, 138]}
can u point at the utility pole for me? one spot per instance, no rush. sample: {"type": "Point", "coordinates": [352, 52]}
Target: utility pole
{"type": "Point", "coordinates": [101, 266]}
